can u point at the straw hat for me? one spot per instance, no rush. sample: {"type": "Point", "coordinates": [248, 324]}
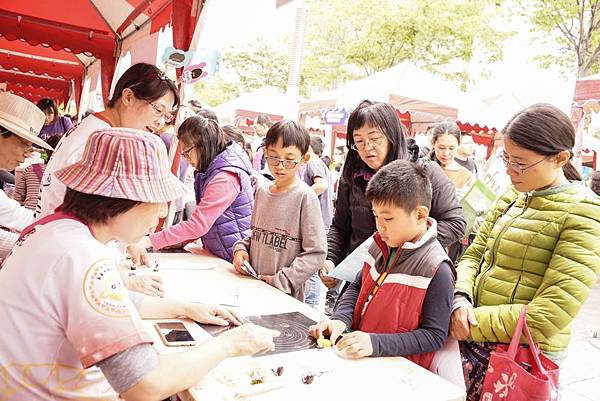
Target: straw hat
{"type": "Point", "coordinates": [123, 163]}
{"type": "Point", "coordinates": [22, 118]}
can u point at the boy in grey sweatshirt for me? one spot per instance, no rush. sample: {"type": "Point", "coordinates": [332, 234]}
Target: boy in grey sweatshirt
{"type": "Point", "coordinates": [288, 242]}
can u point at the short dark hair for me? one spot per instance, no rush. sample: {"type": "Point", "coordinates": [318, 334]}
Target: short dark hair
{"type": "Point", "coordinates": [207, 137]}
{"type": "Point", "coordinates": [207, 113]}
{"type": "Point", "coordinates": [47, 104]}
{"type": "Point", "coordinates": [291, 133]}
{"type": "Point", "coordinates": [383, 117]}
{"type": "Point", "coordinates": [401, 183]}
{"type": "Point", "coordinates": [234, 134]}
{"type": "Point", "coordinates": [94, 209]}
{"type": "Point", "coordinates": [147, 82]}
{"type": "Point", "coordinates": [264, 119]}
{"type": "Point", "coordinates": [316, 143]}
{"type": "Point", "coordinates": [595, 184]}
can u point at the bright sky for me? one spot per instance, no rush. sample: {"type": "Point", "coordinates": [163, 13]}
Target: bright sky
{"type": "Point", "coordinates": [522, 83]}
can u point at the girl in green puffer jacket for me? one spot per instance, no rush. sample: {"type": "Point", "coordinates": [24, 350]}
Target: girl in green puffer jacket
{"type": "Point", "coordinates": [538, 246]}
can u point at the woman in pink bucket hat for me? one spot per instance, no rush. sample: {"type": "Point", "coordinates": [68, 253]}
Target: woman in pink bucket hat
{"type": "Point", "coordinates": [64, 308]}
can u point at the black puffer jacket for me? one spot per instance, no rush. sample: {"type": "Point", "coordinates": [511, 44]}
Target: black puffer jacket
{"type": "Point", "coordinates": [354, 222]}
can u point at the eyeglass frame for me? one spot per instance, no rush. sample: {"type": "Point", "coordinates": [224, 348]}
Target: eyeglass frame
{"type": "Point", "coordinates": [167, 116]}
{"type": "Point", "coordinates": [283, 162]}
{"type": "Point", "coordinates": [517, 167]}
{"type": "Point", "coordinates": [30, 146]}
{"type": "Point", "coordinates": [374, 143]}
{"type": "Point", "coordinates": [186, 152]}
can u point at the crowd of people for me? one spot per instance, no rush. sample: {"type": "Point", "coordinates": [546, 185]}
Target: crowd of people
{"type": "Point", "coordinates": [276, 205]}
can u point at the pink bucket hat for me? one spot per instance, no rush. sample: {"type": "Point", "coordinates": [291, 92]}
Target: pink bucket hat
{"type": "Point", "coordinates": [123, 163]}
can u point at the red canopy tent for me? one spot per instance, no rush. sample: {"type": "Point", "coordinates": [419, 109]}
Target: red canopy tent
{"type": "Point", "coordinates": [481, 135]}
{"type": "Point", "coordinates": [48, 44]}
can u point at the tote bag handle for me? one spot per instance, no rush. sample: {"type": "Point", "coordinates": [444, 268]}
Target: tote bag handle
{"type": "Point", "coordinates": [533, 348]}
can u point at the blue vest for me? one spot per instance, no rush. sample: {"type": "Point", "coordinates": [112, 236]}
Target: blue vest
{"type": "Point", "coordinates": [234, 224]}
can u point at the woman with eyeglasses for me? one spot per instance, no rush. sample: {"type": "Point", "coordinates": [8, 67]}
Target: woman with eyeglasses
{"type": "Point", "coordinates": [20, 123]}
{"type": "Point", "coordinates": [376, 138]}
{"type": "Point", "coordinates": [224, 194]}
{"type": "Point", "coordinates": [538, 247]}
{"type": "Point", "coordinates": [143, 99]}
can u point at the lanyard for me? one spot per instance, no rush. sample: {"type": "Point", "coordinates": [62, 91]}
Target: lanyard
{"type": "Point", "coordinates": [48, 219]}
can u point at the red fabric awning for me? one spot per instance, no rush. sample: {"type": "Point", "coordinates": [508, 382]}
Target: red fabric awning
{"type": "Point", "coordinates": [43, 37]}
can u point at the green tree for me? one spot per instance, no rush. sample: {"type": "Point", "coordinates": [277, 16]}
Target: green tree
{"type": "Point", "coordinates": [244, 68]}
{"type": "Point", "coordinates": [215, 90]}
{"type": "Point", "coordinates": [361, 37]}
{"type": "Point", "coordinates": [257, 64]}
{"type": "Point", "coordinates": [572, 27]}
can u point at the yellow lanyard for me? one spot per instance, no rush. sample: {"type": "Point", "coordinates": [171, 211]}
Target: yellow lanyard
{"type": "Point", "coordinates": [383, 275]}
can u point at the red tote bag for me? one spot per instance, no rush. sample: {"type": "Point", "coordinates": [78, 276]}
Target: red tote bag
{"type": "Point", "coordinates": [519, 373]}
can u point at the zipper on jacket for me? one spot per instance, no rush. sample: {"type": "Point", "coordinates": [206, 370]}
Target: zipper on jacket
{"type": "Point", "coordinates": [495, 249]}
{"type": "Point", "coordinates": [388, 266]}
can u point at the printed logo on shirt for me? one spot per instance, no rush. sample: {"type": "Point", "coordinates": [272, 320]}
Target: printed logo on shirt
{"type": "Point", "coordinates": [276, 241]}
{"type": "Point", "coordinates": [58, 379]}
{"type": "Point", "coordinates": [104, 291]}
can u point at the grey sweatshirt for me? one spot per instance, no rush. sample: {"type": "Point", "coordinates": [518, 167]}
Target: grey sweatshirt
{"type": "Point", "coordinates": [288, 237]}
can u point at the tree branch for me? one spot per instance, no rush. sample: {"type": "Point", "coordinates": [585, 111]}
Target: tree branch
{"type": "Point", "coordinates": [590, 62]}
{"type": "Point", "coordinates": [554, 15]}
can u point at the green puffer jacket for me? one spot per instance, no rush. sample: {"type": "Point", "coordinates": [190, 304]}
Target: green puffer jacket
{"type": "Point", "coordinates": [540, 248]}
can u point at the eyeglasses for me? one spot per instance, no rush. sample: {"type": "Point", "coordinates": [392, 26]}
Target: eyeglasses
{"type": "Point", "coordinates": [287, 164]}
{"type": "Point", "coordinates": [160, 113]}
{"type": "Point", "coordinates": [519, 168]}
{"type": "Point", "coordinates": [186, 152]}
{"type": "Point", "coordinates": [28, 145]}
{"type": "Point", "coordinates": [373, 142]}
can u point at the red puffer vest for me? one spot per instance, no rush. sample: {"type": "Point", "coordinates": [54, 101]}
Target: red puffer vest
{"type": "Point", "coordinates": [396, 305]}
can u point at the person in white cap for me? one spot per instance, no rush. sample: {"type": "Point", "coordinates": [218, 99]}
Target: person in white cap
{"type": "Point", "coordinates": [20, 123]}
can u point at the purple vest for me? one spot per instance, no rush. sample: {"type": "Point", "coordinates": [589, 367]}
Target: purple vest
{"type": "Point", "coordinates": [234, 224]}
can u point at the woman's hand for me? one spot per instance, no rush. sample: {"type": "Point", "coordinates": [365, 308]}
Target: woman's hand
{"type": "Point", "coordinates": [460, 324]}
{"type": "Point", "coordinates": [138, 252]}
{"type": "Point", "coordinates": [479, 220]}
{"type": "Point", "coordinates": [248, 339]}
{"type": "Point", "coordinates": [151, 285]}
{"type": "Point", "coordinates": [212, 314]}
{"type": "Point", "coordinates": [327, 268]}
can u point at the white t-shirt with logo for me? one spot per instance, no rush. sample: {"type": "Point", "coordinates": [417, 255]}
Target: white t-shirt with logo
{"type": "Point", "coordinates": [63, 309]}
{"type": "Point", "coordinates": [68, 151]}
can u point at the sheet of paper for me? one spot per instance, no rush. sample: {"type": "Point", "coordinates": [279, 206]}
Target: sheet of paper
{"type": "Point", "coordinates": [349, 267]}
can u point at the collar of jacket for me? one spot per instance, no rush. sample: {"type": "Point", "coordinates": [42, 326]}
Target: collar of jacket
{"type": "Point", "coordinates": [429, 235]}
{"type": "Point", "coordinates": [555, 190]}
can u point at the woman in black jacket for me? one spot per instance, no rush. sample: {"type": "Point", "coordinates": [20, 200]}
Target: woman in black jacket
{"type": "Point", "coordinates": [376, 138]}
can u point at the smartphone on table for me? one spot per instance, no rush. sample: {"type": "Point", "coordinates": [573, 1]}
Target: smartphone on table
{"type": "Point", "coordinates": [174, 334]}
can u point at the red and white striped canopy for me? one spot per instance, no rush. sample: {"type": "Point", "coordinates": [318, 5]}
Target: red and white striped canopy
{"type": "Point", "coordinates": [46, 44]}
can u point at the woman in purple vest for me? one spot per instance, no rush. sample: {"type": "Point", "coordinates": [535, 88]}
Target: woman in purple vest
{"type": "Point", "coordinates": [224, 195]}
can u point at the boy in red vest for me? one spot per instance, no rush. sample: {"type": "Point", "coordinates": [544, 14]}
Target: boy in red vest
{"type": "Point", "coordinates": [401, 301]}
